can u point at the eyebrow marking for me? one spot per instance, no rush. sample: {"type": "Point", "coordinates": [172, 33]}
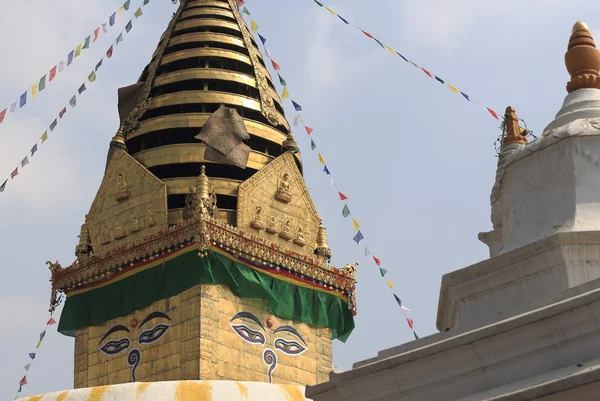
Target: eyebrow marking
{"type": "Point", "coordinates": [154, 315]}
{"type": "Point", "coordinates": [114, 330]}
{"type": "Point", "coordinates": [249, 316]}
{"type": "Point", "coordinates": [289, 329]}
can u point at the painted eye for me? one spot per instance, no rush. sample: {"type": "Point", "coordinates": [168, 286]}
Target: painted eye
{"type": "Point", "coordinates": [154, 334]}
{"type": "Point", "coordinates": [289, 347]}
{"type": "Point", "coordinates": [115, 346]}
{"type": "Point", "coordinates": [249, 335]}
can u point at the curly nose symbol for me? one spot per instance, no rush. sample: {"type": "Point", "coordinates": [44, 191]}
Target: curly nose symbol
{"type": "Point", "coordinates": [270, 359]}
{"type": "Point", "coordinates": [133, 360]}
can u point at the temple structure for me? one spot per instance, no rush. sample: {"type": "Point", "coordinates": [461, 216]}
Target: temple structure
{"type": "Point", "coordinates": [202, 264]}
{"type": "Point", "coordinates": [524, 324]}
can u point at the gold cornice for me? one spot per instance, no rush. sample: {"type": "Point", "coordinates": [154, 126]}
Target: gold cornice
{"type": "Point", "coordinates": [206, 3]}
{"type": "Point", "coordinates": [206, 11]}
{"type": "Point", "coordinates": [211, 73]}
{"type": "Point", "coordinates": [206, 23]}
{"type": "Point", "coordinates": [223, 186]}
{"type": "Point", "coordinates": [190, 153]}
{"type": "Point", "coordinates": [197, 120]}
{"type": "Point", "coordinates": [175, 216]}
{"type": "Point", "coordinates": [205, 52]}
{"type": "Point", "coordinates": [207, 37]}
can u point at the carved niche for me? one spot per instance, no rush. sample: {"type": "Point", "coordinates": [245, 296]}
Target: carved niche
{"type": "Point", "coordinates": [275, 204]}
{"type": "Point", "coordinates": [130, 204]}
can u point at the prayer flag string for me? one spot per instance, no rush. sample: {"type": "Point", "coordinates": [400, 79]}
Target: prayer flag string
{"type": "Point", "coordinates": [425, 71]}
{"type": "Point", "coordinates": [50, 75]}
{"type": "Point", "coordinates": [298, 120]}
{"type": "Point", "coordinates": [72, 103]}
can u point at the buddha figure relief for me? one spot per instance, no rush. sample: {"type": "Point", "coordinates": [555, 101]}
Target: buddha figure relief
{"type": "Point", "coordinates": [104, 235]}
{"type": "Point", "coordinates": [299, 240]}
{"type": "Point", "coordinates": [285, 231]}
{"type": "Point", "coordinates": [134, 224]}
{"type": "Point", "coordinates": [122, 188]}
{"type": "Point", "coordinates": [272, 225]}
{"type": "Point", "coordinates": [258, 222]}
{"type": "Point", "coordinates": [150, 215]}
{"type": "Point", "coordinates": [119, 232]}
{"type": "Point", "coordinates": [284, 193]}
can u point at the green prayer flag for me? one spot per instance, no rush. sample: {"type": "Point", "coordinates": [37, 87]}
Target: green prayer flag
{"type": "Point", "coordinates": [98, 65]}
{"type": "Point", "coordinates": [380, 44]}
{"type": "Point", "coordinates": [320, 5]}
{"type": "Point", "coordinates": [383, 272]}
{"type": "Point", "coordinates": [86, 44]}
{"type": "Point", "coordinates": [416, 336]}
{"type": "Point", "coordinates": [146, 2]}
{"type": "Point", "coordinates": [126, 5]}
{"type": "Point", "coordinates": [313, 146]}
{"type": "Point", "coordinates": [245, 11]}
{"type": "Point", "coordinates": [440, 80]}
{"type": "Point", "coordinates": [345, 211]}
{"type": "Point", "coordinates": [42, 84]}
{"type": "Point", "coordinates": [281, 80]}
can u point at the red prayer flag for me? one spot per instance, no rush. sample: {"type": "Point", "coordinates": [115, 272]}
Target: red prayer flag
{"type": "Point", "coordinates": [426, 72]}
{"type": "Point", "coordinates": [96, 33]}
{"type": "Point", "coordinates": [52, 74]}
{"type": "Point", "coordinates": [308, 129]}
{"type": "Point", "coordinates": [14, 173]}
{"type": "Point", "coordinates": [23, 381]}
{"type": "Point", "coordinates": [2, 114]}
{"type": "Point", "coordinates": [275, 65]}
{"type": "Point", "coordinates": [342, 196]}
{"type": "Point", "coordinates": [368, 34]}
{"type": "Point", "coordinates": [240, 3]}
{"type": "Point", "coordinates": [493, 113]}
{"type": "Point", "coordinates": [62, 112]}
{"type": "Point", "coordinates": [109, 52]}
{"type": "Point", "coordinates": [377, 261]}
{"type": "Point", "coordinates": [410, 322]}
{"type": "Point", "coordinates": [51, 322]}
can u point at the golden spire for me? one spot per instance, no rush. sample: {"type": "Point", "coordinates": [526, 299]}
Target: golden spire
{"type": "Point", "coordinates": [118, 140]}
{"type": "Point", "coordinates": [322, 245]}
{"type": "Point", "coordinates": [512, 133]}
{"type": "Point", "coordinates": [290, 144]}
{"type": "Point", "coordinates": [582, 59]}
{"type": "Point", "coordinates": [202, 185]}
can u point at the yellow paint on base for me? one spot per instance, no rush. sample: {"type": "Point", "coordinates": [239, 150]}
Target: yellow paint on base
{"type": "Point", "coordinates": [293, 393]}
{"type": "Point", "coordinates": [34, 398]}
{"type": "Point", "coordinates": [193, 391]}
{"type": "Point", "coordinates": [62, 396]}
{"type": "Point", "coordinates": [97, 393]}
{"type": "Point", "coordinates": [141, 388]}
{"type": "Point", "coordinates": [243, 390]}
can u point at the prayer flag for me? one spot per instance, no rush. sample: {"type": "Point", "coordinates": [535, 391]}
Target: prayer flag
{"type": "Point", "coordinates": [2, 115]}
{"type": "Point", "coordinates": [403, 58]}
{"type": "Point", "coordinates": [78, 50]}
{"type": "Point", "coordinates": [453, 89]}
{"type": "Point", "coordinates": [383, 272]}
{"type": "Point", "coordinates": [138, 13]}
{"type": "Point", "coordinates": [275, 65]}
{"type": "Point", "coordinates": [326, 170]}
{"type": "Point", "coordinates": [13, 106]}
{"type": "Point", "coordinates": [51, 322]}
{"type": "Point", "coordinates": [104, 27]}
{"type": "Point", "coordinates": [358, 237]}
{"type": "Point", "coordinates": [268, 53]}
{"type": "Point", "coordinates": [70, 57]}
{"type": "Point", "coordinates": [62, 112]}
{"type": "Point", "coordinates": [379, 43]}
{"type": "Point", "coordinates": [73, 101]}
{"type": "Point", "coordinates": [81, 89]}
{"type": "Point", "coordinates": [297, 106]}
{"type": "Point", "coordinates": [3, 186]}
{"type": "Point", "coordinates": [128, 26]}
{"type": "Point", "coordinates": [313, 146]}
{"type": "Point", "coordinates": [44, 136]}
{"type": "Point", "coordinates": [240, 3]}
{"type": "Point", "coordinates": [367, 34]}
{"type": "Point", "coordinates": [245, 11]}
{"type": "Point", "coordinates": [390, 50]}
{"type": "Point", "coordinates": [330, 11]}
{"type": "Point", "coordinates": [281, 80]}
{"type": "Point", "coordinates": [319, 4]}
{"type": "Point", "coordinates": [297, 120]}
{"type": "Point", "coordinates": [42, 83]}
{"type": "Point", "coordinates": [440, 80]}
{"type": "Point", "coordinates": [146, 2]}
{"type": "Point", "coordinates": [355, 225]}
{"type": "Point", "coordinates": [38, 344]}
{"type": "Point", "coordinates": [119, 39]}
{"type": "Point", "coordinates": [390, 284]}
{"type": "Point", "coordinates": [61, 66]}
{"type": "Point", "coordinates": [262, 39]}
{"type": "Point", "coordinates": [42, 335]}
{"type": "Point", "coordinates": [465, 96]}
{"type": "Point", "coordinates": [27, 367]}
{"type": "Point", "coordinates": [33, 149]}
{"type": "Point", "coordinates": [493, 113]}
{"type": "Point", "coordinates": [285, 94]}
{"type": "Point", "coordinates": [308, 130]}
{"type": "Point", "coordinates": [52, 126]}
{"type": "Point", "coordinates": [96, 34]}
{"type": "Point", "coordinates": [23, 381]}
{"type": "Point", "coordinates": [32, 355]}
{"type": "Point", "coordinates": [427, 72]}
{"type": "Point", "coordinates": [398, 300]}
{"type": "Point", "coordinates": [120, 11]}
{"type": "Point", "coordinates": [415, 335]}
{"type": "Point", "coordinates": [111, 20]}
{"type": "Point", "coordinates": [92, 76]}
{"type": "Point", "coordinates": [405, 309]}
{"type": "Point", "coordinates": [126, 5]}
{"type": "Point", "coordinates": [334, 183]}
{"type": "Point", "coordinates": [24, 162]}
{"type": "Point", "coordinates": [367, 250]}
{"type": "Point", "coordinates": [321, 160]}
{"type": "Point", "coordinates": [109, 52]}
{"type": "Point", "coordinates": [98, 65]}
{"type": "Point", "coordinates": [23, 99]}
{"type": "Point", "coordinates": [343, 20]}
{"type": "Point", "coordinates": [346, 211]}
{"type": "Point", "coordinates": [253, 26]}
{"type": "Point", "coordinates": [377, 261]}
{"type": "Point", "coordinates": [410, 322]}
{"type": "Point", "coordinates": [86, 42]}
{"type": "Point", "coordinates": [342, 196]}
{"type": "Point", "coordinates": [34, 90]}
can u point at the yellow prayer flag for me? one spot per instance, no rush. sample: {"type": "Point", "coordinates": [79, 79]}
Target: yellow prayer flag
{"type": "Point", "coordinates": [453, 89]}
{"type": "Point", "coordinates": [285, 94]}
{"type": "Point", "coordinates": [321, 160]}
{"type": "Point", "coordinates": [34, 90]}
{"type": "Point", "coordinates": [390, 284]}
{"type": "Point", "coordinates": [330, 10]}
{"type": "Point", "coordinates": [78, 50]}
{"type": "Point", "coordinates": [355, 224]}
{"type": "Point", "coordinates": [38, 344]}
{"type": "Point", "coordinates": [390, 50]}
{"type": "Point", "coordinates": [92, 76]}
{"type": "Point", "coordinates": [253, 26]}
{"type": "Point", "coordinates": [119, 11]}
{"type": "Point", "coordinates": [45, 136]}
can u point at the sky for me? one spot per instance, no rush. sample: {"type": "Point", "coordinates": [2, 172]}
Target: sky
{"type": "Point", "coordinates": [416, 161]}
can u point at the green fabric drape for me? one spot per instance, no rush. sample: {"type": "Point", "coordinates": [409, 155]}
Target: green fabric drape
{"type": "Point", "coordinates": [286, 300]}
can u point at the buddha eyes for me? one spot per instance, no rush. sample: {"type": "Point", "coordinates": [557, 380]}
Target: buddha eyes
{"type": "Point", "coordinates": [249, 335]}
{"type": "Point", "coordinates": [289, 347]}
{"type": "Point", "coordinates": [115, 346]}
{"type": "Point", "coordinates": [153, 334]}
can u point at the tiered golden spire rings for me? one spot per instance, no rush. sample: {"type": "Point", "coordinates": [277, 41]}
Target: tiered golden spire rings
{"type": "Point", "coordinates": [582, 59]}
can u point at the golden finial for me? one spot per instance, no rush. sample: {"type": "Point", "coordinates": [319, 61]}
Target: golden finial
{"type": "Point", "coordinates": [290, 144]}
{"type": "Point", "coordinates": [512, 133]}
{"type": "Point", "coordinates": [118, 139]}
{"type": "Point", "coordinates": [582, 59]}
{"type": "Point", "coordinates": [322, 245]}
{"type": "Point", "coordinates": [202, 184]}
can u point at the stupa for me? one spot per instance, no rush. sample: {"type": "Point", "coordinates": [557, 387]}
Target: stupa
{"type": "Point", "coordinates": [524, 324]}
{"type": "Point", "coordinates": [202, 269]}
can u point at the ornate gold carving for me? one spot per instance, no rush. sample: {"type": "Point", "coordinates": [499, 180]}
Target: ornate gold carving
{"type": "Point", "coordinates": [122, 188]}
{"type": "Point", "coordinates": [134, 223]}
{"type": "Point", "coordinates": [212, 202]}
{"type": "Point", "coordinates": [84, 248]}
{"type": "Point", "coordinates": [299, 240]}
{"type": "Point", "coordinates": [272, 225]}
{"type": "Point", "coordinates": [258, 222]}
{"type": "Point", "coordinates": [285, 231]}
{"type": "Point", "coordinates": [104, 234]}
{"type": "Point", "coordinates": [119, 231]}
{"type": "Point", "coordinates": [266, 101]}
{"type": "Point", "coordinates": [150, 215]}
{"type": "Point", "coordinates": [55, 268]}
{"type": "Point", "coordinates": [283, 193]}
{"type": "Point", "coordinates": [351, 269]}
{"type": "Point", "coordinates": [191, 204]}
